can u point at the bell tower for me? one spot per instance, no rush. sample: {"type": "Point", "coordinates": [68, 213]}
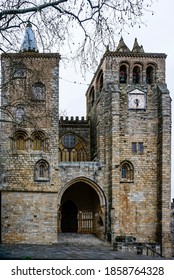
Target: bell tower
{"type": "Point", "coordinates": [129, 108]}
{"type": "Point", "coordinates": [29, 142]}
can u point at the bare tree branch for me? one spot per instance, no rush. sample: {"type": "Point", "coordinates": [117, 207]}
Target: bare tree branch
{"type": "Point", "coordinates": [59, 20]}
{"type": "Point", "coordinates": [78, 29]}
{"type": "Point", "coordinates": [35, 8]}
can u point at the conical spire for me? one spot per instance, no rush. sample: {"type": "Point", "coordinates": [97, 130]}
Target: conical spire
{"type": "Point", "coordinates": [122, 46]}
{"type": "Point", "coordinates": [137, 47]}
{"type": "Point", "coordinates": [29, 43]}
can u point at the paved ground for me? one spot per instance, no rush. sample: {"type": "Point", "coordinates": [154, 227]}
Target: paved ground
{"type": "Point", "coordinates": [69, 247]}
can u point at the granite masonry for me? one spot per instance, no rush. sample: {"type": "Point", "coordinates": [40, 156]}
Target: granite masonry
{"type": "Point", "coordinates": [106, 174]}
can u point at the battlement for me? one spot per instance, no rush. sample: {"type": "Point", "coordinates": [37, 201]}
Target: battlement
{"type": "Point", "coordinates": [72, 119]}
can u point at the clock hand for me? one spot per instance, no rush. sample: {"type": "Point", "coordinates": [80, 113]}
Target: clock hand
{"type": "Point", "coordinates": [136, 102]}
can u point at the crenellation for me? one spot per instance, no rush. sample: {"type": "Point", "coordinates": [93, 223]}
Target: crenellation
{"type": "Point", "coordinates": [73, 119]}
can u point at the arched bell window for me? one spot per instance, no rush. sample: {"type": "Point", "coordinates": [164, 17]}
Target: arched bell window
{"type": "Point", "coordinates": [150, 75]}
{"type": "Point", "coordinates": [136, 75]}
{"type": "Point", "coordinates": [123, 74]}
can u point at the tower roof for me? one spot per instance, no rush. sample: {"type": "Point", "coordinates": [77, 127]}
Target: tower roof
{"type": "Point", "coordinates": [137, 47]}
{"type": "Point", "coordinates": [29, 43]}
{"type": "Point", "coordinates": [122, 46]}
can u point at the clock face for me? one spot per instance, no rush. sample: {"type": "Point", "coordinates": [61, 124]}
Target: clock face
{"type": "Point", "coordinates": [137, 101]}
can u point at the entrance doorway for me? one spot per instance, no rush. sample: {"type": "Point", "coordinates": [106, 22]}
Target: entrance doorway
{"type": "Point", "coordinates": [69, 221]}
{"type": "Point", "coordinates": [82, 208]}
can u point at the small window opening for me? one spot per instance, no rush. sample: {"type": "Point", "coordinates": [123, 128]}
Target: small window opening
{"type": "Point", "coordinates": [136, 75]}
{"type": "Point", "coordinates": [134, 148]}
{"type": "Point", "coordinates": [140, 148]}
{"type": "Point", "coordinates": [123, 74]}
{"type": "Point", "coordinates": [149, 75]}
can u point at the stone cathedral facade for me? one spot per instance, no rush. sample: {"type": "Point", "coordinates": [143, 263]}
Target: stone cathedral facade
{"type": "Point", "coordinates": [108, 173]}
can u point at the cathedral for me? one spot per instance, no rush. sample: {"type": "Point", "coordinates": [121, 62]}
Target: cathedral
{"type": "Point", "coordinates": [108, 173]}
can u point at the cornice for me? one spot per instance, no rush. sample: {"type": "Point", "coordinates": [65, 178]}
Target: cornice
{"type": "Point", "coordinates": [30, 55]}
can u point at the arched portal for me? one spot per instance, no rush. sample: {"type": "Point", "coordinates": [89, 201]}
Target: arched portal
{"type": "Point", "coordinates": [82, 208]}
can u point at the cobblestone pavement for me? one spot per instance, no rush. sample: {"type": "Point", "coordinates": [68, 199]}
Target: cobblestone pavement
{"type": "Point", "coordinates": [69, 247]}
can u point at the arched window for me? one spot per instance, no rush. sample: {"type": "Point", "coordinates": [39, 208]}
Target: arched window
{"type": "Point", "coordinates": [19, 70]}
{"type": "Point", "coordinates": [41, 171]}
{"type": "Point", "coordinates": [39, 140]}
{"type": "Point", "coordinates": [92, 97]}
{"type": "Point", "coordinates": [20, 138]}
{"type": "Point", "coordinates": [65, 155]}
{"type": "Point", "coordinates": [38, 90]}
{"type": "Point", "coordinates": [127, 171]}
{"type": "Point", "coordinates": [123, 74]}
{"type": "Point", "coordinates": [37, 143]}
{"type": "Point", "coordinates": [81, 156]}
{"type": "Point", "coordinates": [73, 155]}
{"type": "Point", "coordinates": [100, 81]}
{"type": "Point", "coordinates": [19, 113]}
{"type": "Point", "coordinates": [20, 142]}
{"type": "Point", "coordinates": [150, 75]}
{"type": "Point", "coordinates": [136, 75]}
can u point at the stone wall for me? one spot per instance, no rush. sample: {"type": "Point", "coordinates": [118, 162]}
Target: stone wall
{"type": "Point", "coordinates": [136, 204]}
{"type": "Point", "coordinates": [29, 217]}
{"type": "Point", "coordinates": [29, 209]}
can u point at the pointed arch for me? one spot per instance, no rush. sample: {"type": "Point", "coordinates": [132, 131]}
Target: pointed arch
{"type": "Point", "coordinates": [42, 171]}
{"type": "Point", "coordinates": [89, 182]}
{"type": "Point", "coordinates": [127, 171]}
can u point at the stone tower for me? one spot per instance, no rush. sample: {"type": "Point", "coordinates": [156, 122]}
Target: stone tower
{"type": "Point", "coordinates": [129, 108]}
{"type": "Point", "coordinates": [29, 143]}
{"type": "Point", "coordinates": [107, 174]}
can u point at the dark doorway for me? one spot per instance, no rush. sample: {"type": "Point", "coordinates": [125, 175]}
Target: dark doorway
{"type": "Point", "coordinates": [69, 217]}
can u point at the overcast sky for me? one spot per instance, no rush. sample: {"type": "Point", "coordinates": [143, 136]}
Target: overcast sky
{"type": "Point", "coordinates": [156, 36]}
